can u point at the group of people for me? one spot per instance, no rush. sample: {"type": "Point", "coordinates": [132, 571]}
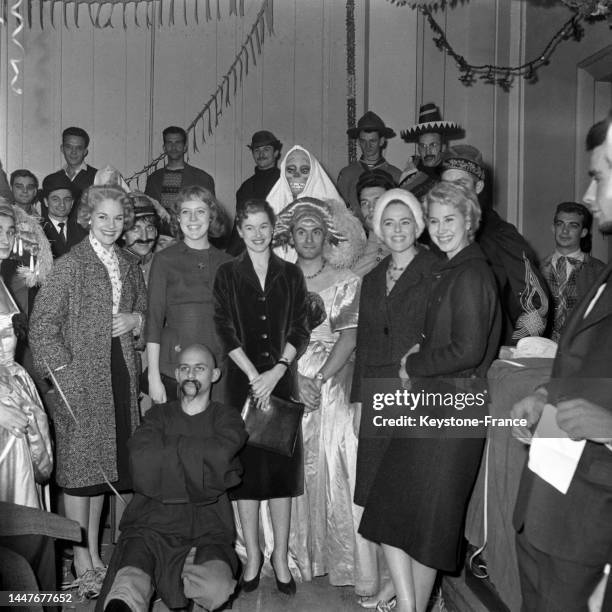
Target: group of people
{"type": "Point", "coordinates": [317, 288]}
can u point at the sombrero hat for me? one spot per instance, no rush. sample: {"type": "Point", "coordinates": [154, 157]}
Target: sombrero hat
{"type": "Point", "coordinates": [430, 120]}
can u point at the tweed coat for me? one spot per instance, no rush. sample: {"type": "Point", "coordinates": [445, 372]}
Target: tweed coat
{"type": "Point", "coordinates": [71, 326]}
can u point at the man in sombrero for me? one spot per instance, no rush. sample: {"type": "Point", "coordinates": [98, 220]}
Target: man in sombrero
{"type": "Point", "coordinates": [430, 134]}
{"type": "Point", "coordinates": [372, 135]}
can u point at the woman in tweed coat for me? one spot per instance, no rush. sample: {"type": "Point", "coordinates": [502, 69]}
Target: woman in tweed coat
{"type": "Point", "coordinates": [86, 321]}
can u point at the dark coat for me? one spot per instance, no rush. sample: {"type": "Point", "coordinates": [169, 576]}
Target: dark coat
{"type": "Point", "coordinates": [191, 176]}
{"type": "Point", "coordinates": [71, 327]}
{"type": "Point", "coordinates": [74, 234]}
{"type": "Point", "coordinates": [81, 182]}
{"type": "Point", "coordinates": [463, 320]}
{"type": "Point", "coordinates": [256, 186]}
{"type": "Point", "coordinates": [577, 526]}
{"type": "Point", "coordinates": [389, 325]}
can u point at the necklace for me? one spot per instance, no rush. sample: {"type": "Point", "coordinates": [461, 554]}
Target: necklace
{"type": "Point", "coordinates": [316, 273]}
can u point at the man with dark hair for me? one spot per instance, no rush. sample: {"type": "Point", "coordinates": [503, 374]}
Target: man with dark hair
{"type": "Point", "coordinates": [570, 270]}
{"type": "Point", "coordinates": [24, 186]}
{"type": "Point", "coordinates": [60, 227]}
{"type": "Point", "coordinates": [75, 147]}
{"type": "Point", "coordinates": [265, 148]}
{"type": "Point", "coordinates": [431, 134]}
{"type": "Point", "coordinates": [370, 186]}
{"type": "Point", "coordinates": [164, 184]}
{"type": "Point", "coordinates": [564, 539]}
{"type": "Point", "coordinates": [372, 135]}
{"type": "Point", "coordinates": [183, 459]}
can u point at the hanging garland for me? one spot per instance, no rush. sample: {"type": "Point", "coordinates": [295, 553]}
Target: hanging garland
{"type": "Point", "coordinates": [164, 10]}
{"type": "Point", "coordinates": [208, 117]}
{"type": "Point", "coordinates": [504, 75]}
{"type": "Point", "coordinates": [351, 103]}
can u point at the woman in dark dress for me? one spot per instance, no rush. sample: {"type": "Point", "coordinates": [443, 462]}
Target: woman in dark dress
{"type": "Point", "coordinates": [260, 315]}
{"type": "Point", "coordinates": [87, 319]}
{"type": "Point", "coordinates": [462, 327]}
{"type": "Point", "coordinates": [391, 318]}
{"type": "Point", "coordinates": [180, 292]}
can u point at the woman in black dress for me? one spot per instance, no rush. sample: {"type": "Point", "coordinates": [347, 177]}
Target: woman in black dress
{"type": "Point", "coordinates": [462, 327]}
{"type": "Point", "coordinates": [260, 315]}
{"type": "Point", "coordinates": [391, 318]}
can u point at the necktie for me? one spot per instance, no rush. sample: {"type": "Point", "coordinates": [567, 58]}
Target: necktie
{"type": "Point", "coordinates": [62, 235]}
{"type": "Point", "coordinates": [561, 268]}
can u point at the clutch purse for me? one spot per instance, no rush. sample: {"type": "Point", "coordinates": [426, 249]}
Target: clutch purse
{"type": "Point", "coordinates": [274, 428]}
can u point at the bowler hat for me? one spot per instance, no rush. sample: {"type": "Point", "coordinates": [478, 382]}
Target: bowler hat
{"type": "Point", "coordinates": [430, 121]}
{"type": "Point", "coordinates": [264, 138]}
{"type": "Point", "coordinates": [371, 122]}
{"type": "Point", "coordinates": [58, 180]}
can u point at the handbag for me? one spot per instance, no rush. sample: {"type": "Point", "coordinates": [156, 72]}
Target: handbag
{"type": "Point", "coordinates": [275, 427]}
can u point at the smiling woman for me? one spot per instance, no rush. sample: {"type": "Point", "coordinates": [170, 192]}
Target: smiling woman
{"type": "Point", "coordinates": [84, 328]}
{"type": "Point", "coordinates": [180, 291]}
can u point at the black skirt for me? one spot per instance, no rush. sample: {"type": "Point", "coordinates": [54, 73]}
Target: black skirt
{"type": "Point", "coordinates": [267, 475]}
{"type": "Point", "coordinates": [120, 378]}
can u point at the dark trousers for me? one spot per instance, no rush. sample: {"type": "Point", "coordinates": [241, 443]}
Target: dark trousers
{"type": "Point", "coordinates": [550, 584]}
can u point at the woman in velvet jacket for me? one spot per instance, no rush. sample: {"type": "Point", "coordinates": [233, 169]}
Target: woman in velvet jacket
{"type": "Point", "coordinates": [260, 316]}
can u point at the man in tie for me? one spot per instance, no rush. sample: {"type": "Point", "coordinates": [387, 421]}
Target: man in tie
{"type": "Point", "coordinates": [564, 540]}
{"type": "Point", "coordinates": [62, 231]}
{"type": "Point", "coordinates": [570, 270]}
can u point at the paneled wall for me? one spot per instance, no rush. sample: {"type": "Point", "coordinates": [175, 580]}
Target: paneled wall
{"type": "Point", "coordinates": [118, 83]}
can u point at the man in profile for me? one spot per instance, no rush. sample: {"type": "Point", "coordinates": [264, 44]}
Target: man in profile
{"type": "Point", "coordinates": [564, 540]}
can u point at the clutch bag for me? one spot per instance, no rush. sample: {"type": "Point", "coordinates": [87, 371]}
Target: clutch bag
{"type": "Point", "coordinates": [274, 428]}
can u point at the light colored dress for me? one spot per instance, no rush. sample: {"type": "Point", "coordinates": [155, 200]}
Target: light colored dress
{"type": "Point", "coordinates": [27, 461]}
{"type": "Point", "coordinates": [324, 520]}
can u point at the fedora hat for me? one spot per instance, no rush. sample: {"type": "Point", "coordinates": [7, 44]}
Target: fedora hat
{"type": "Point", "coordinates": [430, 121]}
{"type": "Point", "coordinates": [264, 138]}
{"type": "Point", "coordinates": [371, 122]}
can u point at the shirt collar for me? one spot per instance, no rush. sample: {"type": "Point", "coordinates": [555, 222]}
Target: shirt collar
{"type": "Point", "coordinates": [101, 252]}
{"type": "Point", "coordinates": [81, 168]}
{"type": "Point", "coordinates": [579, 255]}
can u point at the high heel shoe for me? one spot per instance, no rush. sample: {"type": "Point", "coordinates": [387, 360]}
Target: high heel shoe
{"type": "Point", "coordinates": [250, 585]}
{"type": "Point", "coordinates": [288, 588]}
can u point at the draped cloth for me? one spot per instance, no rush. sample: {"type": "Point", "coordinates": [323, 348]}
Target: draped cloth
{"type": "Point", "coordinates": [318, 185]}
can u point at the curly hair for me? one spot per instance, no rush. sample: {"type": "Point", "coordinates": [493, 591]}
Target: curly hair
{"type": "Point", "coordinates": [252, 206]}
{"type": "Point", "coordinates": [95, 194]}
{"type": "Point", "coordinates": [463, 199]}
{"type": "Point", "coordinates": [218, 217]}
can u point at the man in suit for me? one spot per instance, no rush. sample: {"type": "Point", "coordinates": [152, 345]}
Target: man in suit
{"type": "Point", "coordinates": [564, 541]}
{"type": "Point", "coordinates": [164, 184]}
{"type": "Point", "coordinates": [570, 270]}
{"type": "Point", "coordinates": [62, 231]}
{"type": "Point", "coordinates": [75, 147]}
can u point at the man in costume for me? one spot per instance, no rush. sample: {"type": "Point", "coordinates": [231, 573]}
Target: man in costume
{"type": "Point", "coordinates": [266, 149]}
{"type": "Point", "coordinates": [75, 147]}
{"type": "Point", "coordinates": [183, 461]}
{"type": "Point", "coordinates": [523, 291]}
{"type": "Point", "coordinates": [372, 135]}
{"type": "Point", "coordinates": [564, 540]}
{"type": "Point", "coordinates": [570, 270]}
{"type": "Point", "coordinates": [141, 238]}
{"type": "Point", "coordinates": [431, 134]}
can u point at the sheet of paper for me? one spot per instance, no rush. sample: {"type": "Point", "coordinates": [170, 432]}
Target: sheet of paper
{"type": "Point", "coordinates": [552, 455]}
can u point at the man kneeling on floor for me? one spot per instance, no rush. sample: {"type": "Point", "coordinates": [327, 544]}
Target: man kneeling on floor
{"type": "Point", "coordinates": [183, 460]}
